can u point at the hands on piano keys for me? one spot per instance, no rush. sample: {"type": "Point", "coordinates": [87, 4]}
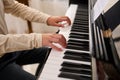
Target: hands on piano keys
{"type": "Point", "coordinates": [58, 21]}
{"type": "Point", "coordinates": [55, 41]}
{"type": "Point", "coordinates": [64, 24]}
{"type": "Point", "coordinates": [59, 46]}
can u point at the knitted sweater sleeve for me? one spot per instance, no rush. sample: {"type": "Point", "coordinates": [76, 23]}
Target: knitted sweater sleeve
{"type": "Point", "coordinates": [17, 42]}
{"type": "Point", "coordinates": [25, 12]}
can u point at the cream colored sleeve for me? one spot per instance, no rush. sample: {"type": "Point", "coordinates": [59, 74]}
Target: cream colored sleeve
{"type": "Point", "coordinates": [25, 12]}
{"type": "Point", "coordinates": [17, 42]}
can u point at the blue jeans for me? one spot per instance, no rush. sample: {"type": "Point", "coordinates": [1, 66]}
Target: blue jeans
{"type": "Point", "coordinates": [10, 64]}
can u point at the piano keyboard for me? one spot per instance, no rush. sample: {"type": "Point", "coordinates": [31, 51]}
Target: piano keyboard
{"type": "Point", "coordinates": [74, 62]}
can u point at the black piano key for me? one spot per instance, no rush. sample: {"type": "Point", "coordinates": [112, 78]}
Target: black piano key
{"type": "Point", "coordinates": [83, 11]}
{"type": "Point", "coordinates": [84, 19]}
{"type": "Point", "coordinates": [80, 12]}
{"type": "Point", "coordinates": [78, 45]}
{"type": "Point", "coordinates": [82, 34]}
{"type": "Point", "coordinates": [80, 21]}
{"type": "Point", "coordinates": [78, 42]}
{"type": "Point", "coordinates": [77, 18]}
{"type": "Point", "coordinates": [80, 17]}
{"type": "Point", "coordinates": [73, 76]}
{"type": "Point", "coordinates": [83, 14]}
{"type": "Point", "coordinates": [76, 30]}
{"type": "Point", "coordinates": [77, 48]}
{"type": "Point", "coordinates": [75, 70]}
{"type": "Point", "coordinates": [79, 36]}
{"type": "Point", "coordinates": [74, 53]}
{"type": "Point", "coordinates": [77, 58]}
{"type": "Point", "coordinates": [76, 26]}
{"type": "Point", "coordinates": [80, 26]}
{"type": "Point", "coordinates": [76, 65]}
{"type": "Point", "coordinates": [83, 7]}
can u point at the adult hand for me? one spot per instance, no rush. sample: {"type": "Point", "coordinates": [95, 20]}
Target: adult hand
{"type": "Point", "coordinates": [49, 39]}
{"type": "Point", "coordinates": [55, 20]}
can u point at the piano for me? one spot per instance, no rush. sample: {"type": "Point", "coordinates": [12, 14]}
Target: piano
{"type": "Point", "coordinates": [86, 56]}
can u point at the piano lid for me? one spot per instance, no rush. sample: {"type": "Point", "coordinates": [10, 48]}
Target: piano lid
{"type": "Point", "coordinates": [112, 16]}
{"type": "Point", "coordinates": [77, 1]}
{"type": "Point", "coordinates": [98, 8]}
{"type": "Point", "coordinates": [110, 21]}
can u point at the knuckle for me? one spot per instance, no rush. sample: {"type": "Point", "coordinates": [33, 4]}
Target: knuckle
{"type": "Point", "coordinates": [58, 40]}
{"type": "Point", "coordinates": [60, 35]}
{"type": "Point", "coordinates": [49, 44]}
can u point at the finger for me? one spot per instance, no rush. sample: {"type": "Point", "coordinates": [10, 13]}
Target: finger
{"type": "Point", "coordinates": [69, 21]}
{"type": "Point", "coordinates": [55, 47]}
{"type": "Point", "coordinates": [65, 18]}
{"type": "Point", "coordinates": [58, 38]}
{"type": "Point", "coordinates": [59, 25]}
{"type": "Point", "coordinates": [61, 42]}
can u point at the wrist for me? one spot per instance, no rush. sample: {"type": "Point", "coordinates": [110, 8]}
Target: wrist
{"type": "Point", "coordinates": [48, 20]}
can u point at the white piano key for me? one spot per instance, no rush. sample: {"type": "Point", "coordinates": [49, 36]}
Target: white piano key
{"type": "Point", "coordinates": [64, 23]}
{"type": "Point", "coordinates": [59, 57]}
{"type": "Point", "coordinates": [54, 62]}
{"type": "Point", "coordinates": [53, 78]}
{"type": "Point", "coordinates": [55, 59]}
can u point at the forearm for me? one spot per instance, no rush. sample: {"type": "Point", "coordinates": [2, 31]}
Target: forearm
{"type": "Point", "coordinates": [10, 42]}
{"type": "Point", "coordinates": [25, 12]}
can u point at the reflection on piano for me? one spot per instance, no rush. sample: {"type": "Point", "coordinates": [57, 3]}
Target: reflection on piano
{"type": "Point", "coordinates": [86, 54]}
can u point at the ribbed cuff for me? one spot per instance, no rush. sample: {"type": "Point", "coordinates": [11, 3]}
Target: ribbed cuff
{"type": "Point", "coordinates": [38, 40]}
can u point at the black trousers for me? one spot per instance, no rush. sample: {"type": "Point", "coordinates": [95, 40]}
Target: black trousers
{"type": "Point", "coordinates": [10, 64]}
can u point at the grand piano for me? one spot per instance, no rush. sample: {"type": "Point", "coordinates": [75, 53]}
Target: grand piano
{"type": "Point", "coordinates": [92, 51]}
